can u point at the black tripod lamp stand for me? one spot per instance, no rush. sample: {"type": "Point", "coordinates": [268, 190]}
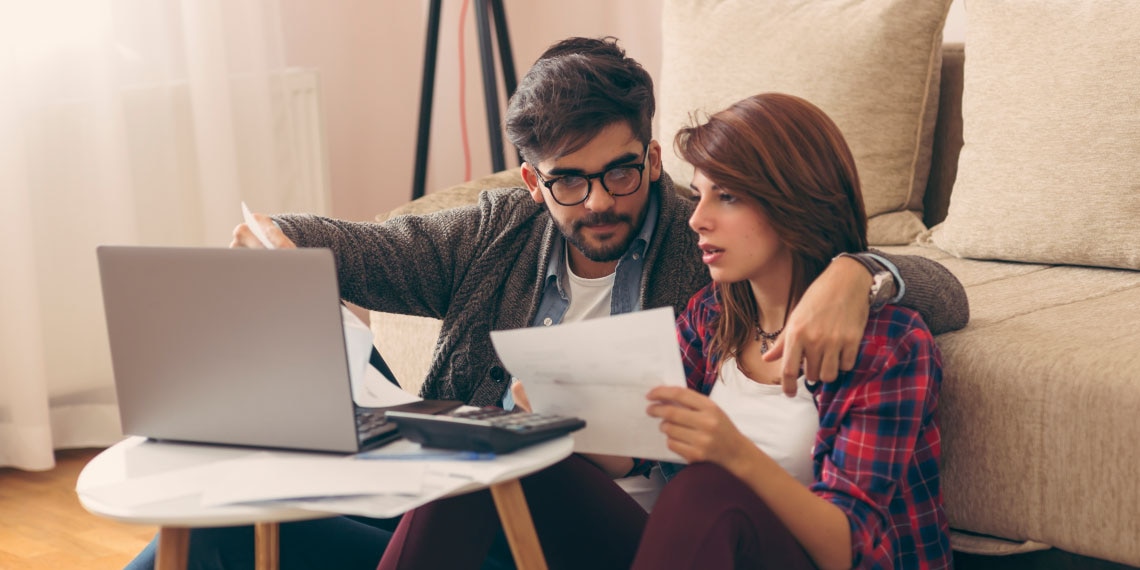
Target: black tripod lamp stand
{"type": "Point", "coordinates": [484, 11]}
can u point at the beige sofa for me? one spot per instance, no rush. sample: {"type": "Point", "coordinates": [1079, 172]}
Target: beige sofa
{"type": "Point", "coordinates": [1041, 396]}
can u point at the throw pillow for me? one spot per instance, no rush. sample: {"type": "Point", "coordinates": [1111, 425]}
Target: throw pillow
{"type": "Point", "coordinates": [872, 66]}
{"type": "Point", "coordinates": [1051, 122]}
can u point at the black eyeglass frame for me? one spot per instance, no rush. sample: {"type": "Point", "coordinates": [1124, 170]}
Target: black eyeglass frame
{"type": "Point", "coordinates": [600, 176]}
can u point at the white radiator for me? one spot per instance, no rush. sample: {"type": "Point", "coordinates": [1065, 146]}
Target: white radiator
{"type": "Point", "coordinates": [253, 138]}
{"type": "Point", "coordinates": [309, 191]}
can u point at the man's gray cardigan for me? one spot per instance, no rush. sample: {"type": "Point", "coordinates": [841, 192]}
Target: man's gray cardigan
{"type": "Point", "coordinates": [481, 267]}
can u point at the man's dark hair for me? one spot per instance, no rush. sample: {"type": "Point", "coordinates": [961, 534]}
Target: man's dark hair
{"type": "Point", "coordinates": [578, 87]}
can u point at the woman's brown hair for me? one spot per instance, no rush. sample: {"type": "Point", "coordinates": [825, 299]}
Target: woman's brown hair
{"type": "Point", "coordinates": [787, 157]}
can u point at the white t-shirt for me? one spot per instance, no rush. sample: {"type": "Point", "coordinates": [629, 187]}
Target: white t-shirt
{"type": "Point", "coordinates": [782, 427]}
{"type": "Point", "coordinates": [589, 298]}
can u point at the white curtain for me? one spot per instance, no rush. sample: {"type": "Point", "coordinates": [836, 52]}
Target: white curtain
{"type": "Point", "coordinates": [122, 122]}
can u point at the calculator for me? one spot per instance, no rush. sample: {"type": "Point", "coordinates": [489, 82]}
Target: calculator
{"type": "Point", "coordinates": [485, 430]}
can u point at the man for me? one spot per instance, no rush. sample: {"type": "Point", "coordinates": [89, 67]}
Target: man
{"type": "Point", "coordinates": [598, 230]}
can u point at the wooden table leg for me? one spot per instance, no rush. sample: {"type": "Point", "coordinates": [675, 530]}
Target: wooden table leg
{"type": "Point", "coordinates": [267, 551]}
{"type": "Point", "coordinates": [173, 548]}
{"type": "Point", "coordinates": [518, 526]}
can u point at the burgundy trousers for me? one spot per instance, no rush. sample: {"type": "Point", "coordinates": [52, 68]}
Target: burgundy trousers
{"type": "Point", "coordinates": [705, 518]}
{"type": "Point", "coordinates": [583, 520]}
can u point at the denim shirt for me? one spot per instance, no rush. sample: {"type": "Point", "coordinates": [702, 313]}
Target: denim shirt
{"type": "Point", "coordinates": [625, 297]}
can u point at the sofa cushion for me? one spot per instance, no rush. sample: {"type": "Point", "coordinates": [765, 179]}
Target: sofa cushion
{"type": "Point", "coordinates": [873, 66]}
{"type": "Point", "coordinates": [1039, 400]}
{"type": "Point", "coordinates": [459, 195]}
{"type": "Point", "coordinates": [1051, 121]}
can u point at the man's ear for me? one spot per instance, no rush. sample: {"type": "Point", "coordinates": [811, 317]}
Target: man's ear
{"type": "Point", "coordinates": [532, 183]}
{"type": "Point", "coordinates": [654, 160]}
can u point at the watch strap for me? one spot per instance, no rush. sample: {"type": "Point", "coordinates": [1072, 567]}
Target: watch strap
{"type": "Point", "coordinates": [880, 277]}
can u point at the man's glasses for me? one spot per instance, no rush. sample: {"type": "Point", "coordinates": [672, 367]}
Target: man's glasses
{"type": "Point", "coordinates": [573, 189]}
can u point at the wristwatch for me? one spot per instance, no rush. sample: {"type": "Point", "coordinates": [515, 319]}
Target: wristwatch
{"type": "Point", "coordinates": [882, 280]}
{"type": "Point", "coordinates": [882, 285]}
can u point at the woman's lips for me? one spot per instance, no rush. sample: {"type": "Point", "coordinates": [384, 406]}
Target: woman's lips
{"type": "Point", "coordinates": [710, 254]}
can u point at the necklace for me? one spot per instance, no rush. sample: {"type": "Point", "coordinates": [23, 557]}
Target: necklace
{"type": "Point", "coordinates": [766, 337]}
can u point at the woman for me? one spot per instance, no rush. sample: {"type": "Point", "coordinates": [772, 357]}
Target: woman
{"type": "Point", "coordinates": [843, 475]}
{"type": "Point", "coordinates": [777, 197]}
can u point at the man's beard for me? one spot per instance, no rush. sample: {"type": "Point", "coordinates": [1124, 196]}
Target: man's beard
{"type": "Point", "coordinates": [610, 252]}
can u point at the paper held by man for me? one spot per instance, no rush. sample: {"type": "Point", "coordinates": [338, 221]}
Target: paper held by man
{"type": "Point", "coordinates": [600, 370]}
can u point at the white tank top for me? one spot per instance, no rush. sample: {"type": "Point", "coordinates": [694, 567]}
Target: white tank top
{"type": "Point", "coordinates": [782, 427]}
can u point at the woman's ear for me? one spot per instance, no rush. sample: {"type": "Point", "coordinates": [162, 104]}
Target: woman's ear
{"type": "Point", "coordinates": [532, 183]}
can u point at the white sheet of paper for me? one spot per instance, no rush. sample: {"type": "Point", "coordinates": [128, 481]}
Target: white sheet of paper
{"type": "Point", "coordinates": [164, 486]}
{"type": "Point", "coordinates": [211, 476]}
{"type": "Point", "coordinates": [369, 387]}
{"type": "Point", "coordinates": [255, 227]}
{"type": "Point", "coordinates": [266, 478]}
{"type": "Point", "coordinates": [384, 506]}
{"type": "Point", "coordinates": [600, 370]}
{"type": "Point", "coordinates": [514, 463]}
{"type": "Point", "coordinates": [442, 478]}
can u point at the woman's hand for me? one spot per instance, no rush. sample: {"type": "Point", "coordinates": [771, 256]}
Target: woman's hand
{"type": "Point", "coordinates": [696, 428]}
{"type": "Point", "coordinates": [823, 331]}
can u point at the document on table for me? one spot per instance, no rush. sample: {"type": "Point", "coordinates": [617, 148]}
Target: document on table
{"type": "Point", "coordinates": [600, 370]}
{"type": "Point", "coordinates": [259, 476]}
{"type": "Point", "coordinates": [266, 477]}
{"type": "Point", "coordinates": [441, 478]}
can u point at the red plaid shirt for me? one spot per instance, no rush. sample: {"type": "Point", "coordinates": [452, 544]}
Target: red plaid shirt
{"type": "Point", "coordinates": [878, 448]}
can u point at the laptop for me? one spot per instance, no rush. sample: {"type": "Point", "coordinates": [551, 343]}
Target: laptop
{"type": "Point", "coordinates": [237, 347]}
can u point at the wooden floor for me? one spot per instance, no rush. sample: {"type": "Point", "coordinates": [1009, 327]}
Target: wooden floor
{"type": "Point", "coordinates": [42, 525]}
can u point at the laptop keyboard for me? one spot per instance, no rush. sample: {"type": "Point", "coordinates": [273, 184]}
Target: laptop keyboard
{"type": "Point", "coordinates": [370, 422]}
{"type": "Point", "coordinates": [372, 428]}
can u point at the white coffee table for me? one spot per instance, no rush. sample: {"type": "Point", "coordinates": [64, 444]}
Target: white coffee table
{"type": "Point", "coordinates": [142, 473]}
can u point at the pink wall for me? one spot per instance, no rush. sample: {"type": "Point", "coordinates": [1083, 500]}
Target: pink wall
{"type": "Point", "coordinates": [369, 56]}
{"type": "Point", "coordinates": [368, 94]}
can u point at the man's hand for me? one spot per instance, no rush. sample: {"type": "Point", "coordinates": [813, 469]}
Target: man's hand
{"type": "Point", "coordinates": [244, 236]}
{"type": "Point", "coordinates": [823, 332]}
{"type": "Point", "coordinates": [519, 396]}
{"type": "Point", "coordinates": [696, 428]}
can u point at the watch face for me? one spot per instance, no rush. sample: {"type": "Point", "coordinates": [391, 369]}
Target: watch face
{"type": "Point", "coordinates": [881, 288]}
